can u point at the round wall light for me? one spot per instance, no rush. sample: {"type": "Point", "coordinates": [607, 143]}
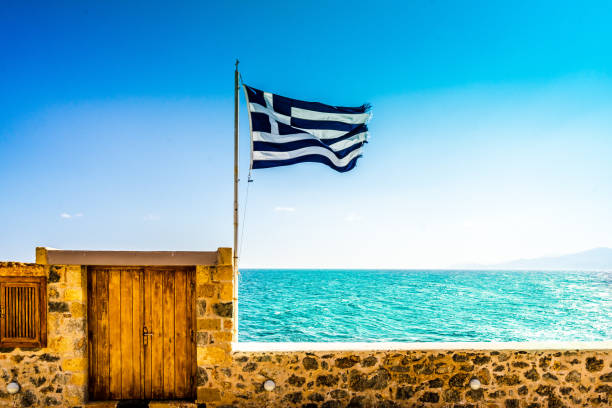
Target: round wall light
{"type": "Point", "coordinates": [12, 388]}
{"type": "Point", "coordinates": [269, 385]}
{"type": "Point", "coordinates": [475, 383]}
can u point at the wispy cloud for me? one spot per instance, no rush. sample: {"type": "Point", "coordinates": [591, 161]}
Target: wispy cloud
{"type": "Point", "coordinates": [352, 217]}
{"type": "Point", "coordinates": [151, 217]}
{"type": "Point", "coordinates": [284, 209]}
{"type": "Point", "coordinates": [67, 215]}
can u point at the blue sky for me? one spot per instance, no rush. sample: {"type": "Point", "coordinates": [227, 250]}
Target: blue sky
{"type": "Point", "coordinates": [491, 137]}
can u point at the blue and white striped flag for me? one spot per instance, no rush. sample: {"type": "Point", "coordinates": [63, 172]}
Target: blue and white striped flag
{"type": "Point", "coordinates": [286, 131]}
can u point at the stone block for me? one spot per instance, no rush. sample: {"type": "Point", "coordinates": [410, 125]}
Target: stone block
{"type": "Point", "coordinates": [78, 309]}
{"type": "Point", "coordinates": [202, 339]}
{"type": "Point", "coordinates": [222, 337]}
{"type": "Point", "coordinates": [74, 295]}
{"type": "Point", "coordinates": [208, 394]}
{"type": "Point", "coordinates": [80, 346]}
{"type": "Point", "coordinates": [205, 290]}
{"type": "Point", "coordinates": [75, 364]}
{"type": "Point", "coordinates": [209, 324]}
{"type": "Point", "coordinates": [223, 309]}
{"type": "Point", "coordinates": [223, 273]}
{"type": "Point", "coordinates": [202, 274]}
{"type": "Point", "coordinates": [78, 379]}
{"type": "Point", "coordinates": [211, 355]}
{"type": "Point", "coordinates": [41, 255]}
{"type": "Point", "coordinates": [224, 256]}
{"type": "Point", "coordinates": [226, 291]}
{"type": "Point", "coordinates": [201, 307]}
{"type": "Point", "coordinates": [58, 307]}
{"type": "Point", "coordinates": [228, 324]}
{"type": "Point", "coordinates": [55, 274]}
{"type": "Point", "coordinates": [74, 395]}
{"type": "Point", "coordinates": [61, 344]}
{"type": "Point", "coordinates": [74, 275]}
{"type": "Point", "coordinates": [53, 293]}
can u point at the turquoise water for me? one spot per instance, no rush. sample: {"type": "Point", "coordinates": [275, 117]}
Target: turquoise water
{"type": "Point", "coordinates": [421, 305]}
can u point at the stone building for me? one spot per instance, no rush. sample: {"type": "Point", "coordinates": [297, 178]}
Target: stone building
{"type": "Point", "coordinates": [91, 328]}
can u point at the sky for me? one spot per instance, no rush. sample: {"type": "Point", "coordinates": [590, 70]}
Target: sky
{"type": "Point", "coordinates": [490, 140]}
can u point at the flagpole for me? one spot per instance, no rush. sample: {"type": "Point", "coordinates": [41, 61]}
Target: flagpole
{"type": "Point", "coordinates": [235, 263]}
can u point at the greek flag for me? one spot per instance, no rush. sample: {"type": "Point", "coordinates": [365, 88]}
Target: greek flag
{"type": "Point", "coordinates": [286, 131]}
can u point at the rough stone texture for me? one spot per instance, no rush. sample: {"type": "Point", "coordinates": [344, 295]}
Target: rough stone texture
{"type": "Point", "coordinates": [421, 379]}
{"type": "Point", "coordinates": [214, 299]}
{"type": "Point", "coordinates": [57, 374]}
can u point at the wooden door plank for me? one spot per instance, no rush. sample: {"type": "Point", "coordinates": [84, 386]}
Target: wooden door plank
{"type": "Point", "coordinates": [103, 336]}
{"type": "Point", "coordinates": [137, 333]}
{"type": "Point", "coordinates": [127, 375]}
{"type": "Point", "coordinates": [191, 312]}
{"type": "Point", "coordinates": [91, 330]}
{"type": "Point", "coordinates": [168, 333]}
{"type": "Point", "coordinates": [114, 316]}
{"type": "Point", "coordinates": [147, 341]}
{"type": "Point", "coordinates": [180, 332]}
{"type": "Point", "coordinates": [157, 350]}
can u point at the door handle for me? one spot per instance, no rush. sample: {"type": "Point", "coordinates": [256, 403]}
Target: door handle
{"type": "Point", "coordinates": [145, 333]}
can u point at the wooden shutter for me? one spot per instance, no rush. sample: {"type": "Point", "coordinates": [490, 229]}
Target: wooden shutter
{"type": "Point", "coordinates": [23, 311]}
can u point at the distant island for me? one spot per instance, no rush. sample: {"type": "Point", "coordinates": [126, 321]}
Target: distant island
{"type": "Point", "coordinates": [597, 259]}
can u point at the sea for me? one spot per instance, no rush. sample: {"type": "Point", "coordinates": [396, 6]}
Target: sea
{"type": "Point", "coordinates": [296, 305]}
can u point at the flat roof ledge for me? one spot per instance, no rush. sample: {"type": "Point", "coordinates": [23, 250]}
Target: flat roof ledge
{"type": "Point", "coordinates": [51, 256]}
{"type": "Point", "coordinates": [415, 346]}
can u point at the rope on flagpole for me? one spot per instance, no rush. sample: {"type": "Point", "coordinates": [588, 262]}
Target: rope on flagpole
{"type": "Point", "coordinates": [244, 213]}
{"type": "Point", "coordinates": [249, 181]}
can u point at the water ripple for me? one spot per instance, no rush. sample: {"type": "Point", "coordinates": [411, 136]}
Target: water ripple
{"type": "Point", "coordinates": [411, 305]}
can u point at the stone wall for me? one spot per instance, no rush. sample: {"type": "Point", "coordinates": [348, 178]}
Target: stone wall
{"type": "Point", "coordinates": [386, 379]}
{"type": "Point", "coordinates": [57, 374]}
{"type": "Point", "coordinates": [215, 307]}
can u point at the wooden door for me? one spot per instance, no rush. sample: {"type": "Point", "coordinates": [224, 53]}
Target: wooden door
{"type": "Point", "coordinates": [169, 313]}
{"type": "Point", "coordinates": [140, 325]}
